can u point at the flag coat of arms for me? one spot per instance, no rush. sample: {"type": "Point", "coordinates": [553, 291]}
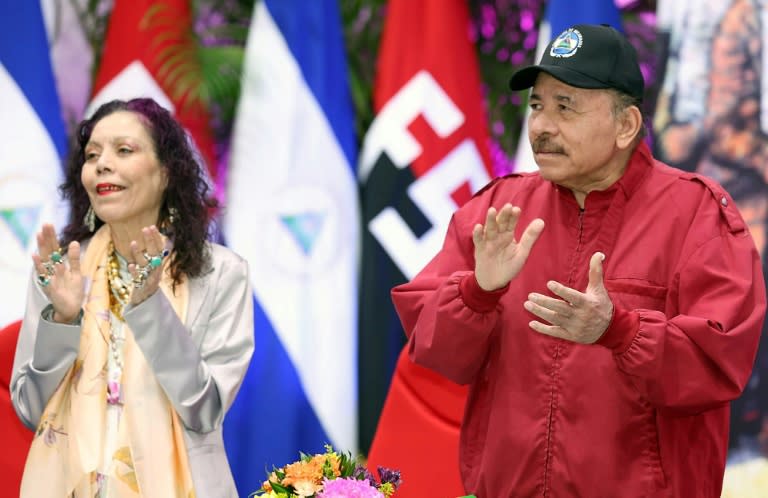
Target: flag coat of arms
{"type": "Point", "coordinates": [424, 155]}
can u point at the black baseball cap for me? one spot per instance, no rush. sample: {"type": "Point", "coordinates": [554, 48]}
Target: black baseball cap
{"type": "Point", "coordinates": [587, 56]}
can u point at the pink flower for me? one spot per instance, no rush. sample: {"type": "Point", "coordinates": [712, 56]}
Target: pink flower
{"type": "Point", "coordinates": [348, 488]}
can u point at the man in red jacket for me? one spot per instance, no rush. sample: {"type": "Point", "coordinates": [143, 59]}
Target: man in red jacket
{"type": "Point", "coordinates": [604, 310]}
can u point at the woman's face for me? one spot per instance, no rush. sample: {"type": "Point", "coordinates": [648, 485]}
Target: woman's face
{"type": "Point", "coordinates": [121, 174]}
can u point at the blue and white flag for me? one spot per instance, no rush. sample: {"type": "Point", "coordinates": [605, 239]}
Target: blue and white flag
{"type": "Point", "coordinates": [292, 212]}
{"type": "Point", "coordinates": [32, 145]}
{"type": "Point", "coordinates": [559, 16]}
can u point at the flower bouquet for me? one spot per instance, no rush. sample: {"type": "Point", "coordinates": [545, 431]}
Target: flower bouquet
{"type": "Point", "coordinates": [328, 475]}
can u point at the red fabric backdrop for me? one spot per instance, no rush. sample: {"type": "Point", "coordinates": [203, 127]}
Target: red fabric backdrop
{"type": "Point", "coordinates": [16, 437]}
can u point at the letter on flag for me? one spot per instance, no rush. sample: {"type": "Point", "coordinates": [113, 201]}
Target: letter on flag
{"type": "Point", "coordinates": [424, 155]}
{"type": "Point", "coordinates": [292, 212]}
{"type": "Point", "coordinates": [149, 52]}
{"type": "Point", "coordinates": [32, 145]}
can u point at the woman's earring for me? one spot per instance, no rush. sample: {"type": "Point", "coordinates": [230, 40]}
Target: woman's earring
{"type": "Point", "coordinates": [90, 219]}
{"type": "Point", "coordinates": [166, 226]}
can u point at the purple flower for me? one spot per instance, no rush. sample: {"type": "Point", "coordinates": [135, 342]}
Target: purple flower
{"type": "Point", "coordinates": [363, 474]}
{"type": "Point", "coordinates": [389, 476]}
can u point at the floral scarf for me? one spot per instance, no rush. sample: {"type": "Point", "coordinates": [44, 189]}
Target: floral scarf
{"type": "Point", "coordinates": [151, 458]}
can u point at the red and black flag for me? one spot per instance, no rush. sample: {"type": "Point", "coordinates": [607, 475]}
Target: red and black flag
{"type": "Point", "coordinates": [424, 155]}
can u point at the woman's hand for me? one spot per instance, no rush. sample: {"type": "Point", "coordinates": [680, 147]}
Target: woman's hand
{"type": "Point", "coordinates": [148, 267]}
{"type": "Point", "coordinates": [59, 279]}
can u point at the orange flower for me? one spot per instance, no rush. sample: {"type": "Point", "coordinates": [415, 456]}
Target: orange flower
{"type": "Point", "coordinates": [332, 459]}
{"type": "Point", "coordinates": [311, 471]}
{"type": "Point", "coordinates": [303, 471]}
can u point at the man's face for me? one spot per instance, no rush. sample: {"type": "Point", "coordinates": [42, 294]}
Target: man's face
{"type": "Point", "coordinates": [573, 133]}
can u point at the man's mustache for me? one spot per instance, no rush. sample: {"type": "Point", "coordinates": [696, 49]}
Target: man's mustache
{"type": "Point", "coordinates": [545, 145]}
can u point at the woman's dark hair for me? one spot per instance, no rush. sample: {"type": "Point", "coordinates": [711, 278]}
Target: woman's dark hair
{"type": "Point", "coordinates": [186, 210]}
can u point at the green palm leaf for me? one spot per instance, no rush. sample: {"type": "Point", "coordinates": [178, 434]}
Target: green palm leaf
{"type": "Point", "coordinates": [197, 75]}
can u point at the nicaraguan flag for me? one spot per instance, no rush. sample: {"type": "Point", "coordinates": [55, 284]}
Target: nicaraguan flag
{"type": "Point", "coordinates": [292, 211]}
{"type": "Point", "coordinates": [32, 145]}
{"type": "Point", "coordinates": [558, 16]}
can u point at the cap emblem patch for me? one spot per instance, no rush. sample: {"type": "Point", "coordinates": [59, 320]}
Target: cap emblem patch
{"type": "Point", "coordinates": [567, 43]}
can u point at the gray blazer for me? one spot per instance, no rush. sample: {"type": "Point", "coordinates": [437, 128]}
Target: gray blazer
{"type": "Point", "coordinates": [199, 363]}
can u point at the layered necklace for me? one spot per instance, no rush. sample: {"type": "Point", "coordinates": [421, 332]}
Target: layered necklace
{"type": "Point", "coordinates": [119, 294]}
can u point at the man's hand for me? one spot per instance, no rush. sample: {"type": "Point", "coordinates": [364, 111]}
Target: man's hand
{"type": "Point", "coordinates": [498, 256]}
{"type": "Point", "coordinates": [578, 317]}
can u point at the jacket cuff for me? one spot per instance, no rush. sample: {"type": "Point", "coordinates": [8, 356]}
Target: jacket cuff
{"type": "Point", "coordinates": [476, 298]}
{"type": "Point", "coordinates": [56, 343]}
{"type": "Point", "coordinates": [621, 331]}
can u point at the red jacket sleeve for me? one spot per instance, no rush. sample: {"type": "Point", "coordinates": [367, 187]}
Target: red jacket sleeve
{"type": "Point", "coordinates": [448, 318]}
{"type": "Point", "coordinates": [701, 355]}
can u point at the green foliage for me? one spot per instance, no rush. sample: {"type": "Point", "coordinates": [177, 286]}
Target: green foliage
{"type": "Point", "coordinates": [362, 22]}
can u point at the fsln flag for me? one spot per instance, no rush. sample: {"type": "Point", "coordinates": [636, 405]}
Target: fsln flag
{"type": "Point", "coordinates": [293, 213]}
{"type": "Point", "coordinates": [559, 16]}
{"type": "Point", "coordinates": [32, 146]}
{"type": "Point", "coordinates": [149, 51]}
{"type": "Point", "coordinates": [424, 155]}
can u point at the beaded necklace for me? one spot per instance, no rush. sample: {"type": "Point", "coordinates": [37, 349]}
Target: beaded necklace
{"type": "Point", "coordinates": [118, 298]}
